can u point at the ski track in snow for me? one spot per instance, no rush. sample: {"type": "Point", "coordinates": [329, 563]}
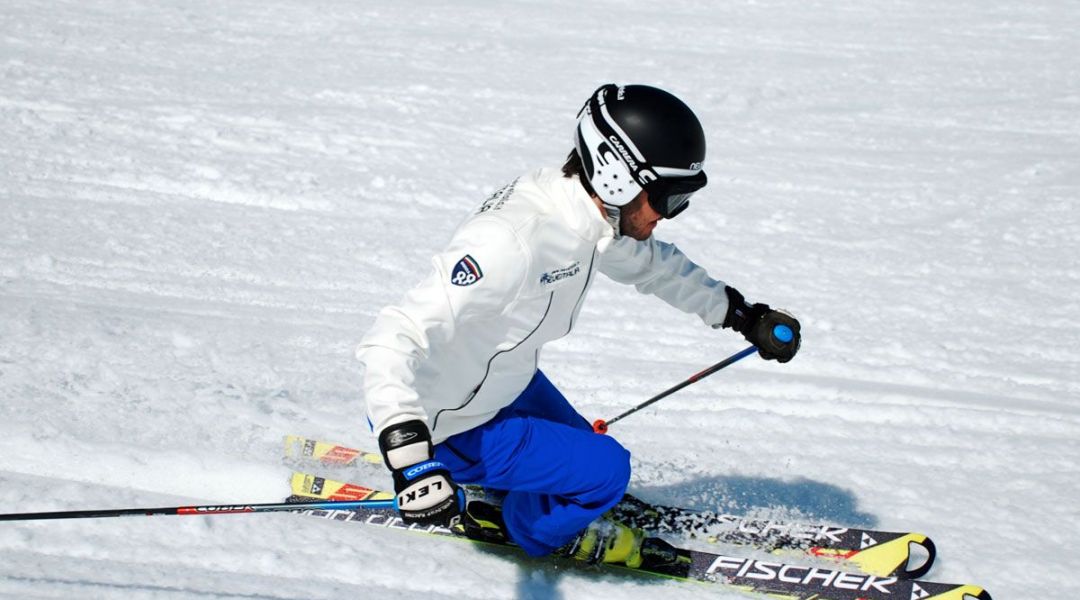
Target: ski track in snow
{"type": "Point", "coordinates": [205, 204]}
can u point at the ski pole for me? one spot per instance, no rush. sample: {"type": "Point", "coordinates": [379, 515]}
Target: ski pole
{"type": "Point", "coordinates": [781, 332]}
{"type": "Point", "coordinates": [212, 509]}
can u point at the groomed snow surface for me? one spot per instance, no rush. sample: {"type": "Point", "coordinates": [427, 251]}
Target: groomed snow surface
{"type": "Point", "coordinates": [204, 204]}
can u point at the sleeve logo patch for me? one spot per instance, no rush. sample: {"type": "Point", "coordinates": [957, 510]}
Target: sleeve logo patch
{"type": "Point", "coordinates": [466, 272]}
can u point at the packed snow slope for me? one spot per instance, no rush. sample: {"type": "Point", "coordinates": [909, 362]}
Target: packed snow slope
{"type": "Point", "coordinates": [204, 204]}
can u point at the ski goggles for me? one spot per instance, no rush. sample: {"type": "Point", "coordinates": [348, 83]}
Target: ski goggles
{"type": "Point", "coordinates": [670, 196]}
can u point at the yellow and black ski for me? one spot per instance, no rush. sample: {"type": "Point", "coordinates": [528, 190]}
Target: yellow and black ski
{"type": "Point", "coordinates": [774, 579]}
{"type": "Point", "coordinates": [300, 449]}
{"type": "Point", "coordinates": [882, 553]}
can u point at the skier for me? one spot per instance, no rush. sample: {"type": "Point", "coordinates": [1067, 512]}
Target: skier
{"type": "Point", "coordinates": [451, 381]}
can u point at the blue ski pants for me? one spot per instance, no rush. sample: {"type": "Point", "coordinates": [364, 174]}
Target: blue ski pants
{"type": "Point", "coordinates": [559, 476]}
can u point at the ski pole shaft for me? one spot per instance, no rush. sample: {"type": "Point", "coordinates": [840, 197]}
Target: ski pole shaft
{"type": "Point", "coordinates": [211, 509]}
{"type": "Point", "coordinates": [601, 426]}
{"type": "Point", "coordinates": [781, 332]}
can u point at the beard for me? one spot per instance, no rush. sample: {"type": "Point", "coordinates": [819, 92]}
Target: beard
{"type": "Point", "coordinates": [635, 221]}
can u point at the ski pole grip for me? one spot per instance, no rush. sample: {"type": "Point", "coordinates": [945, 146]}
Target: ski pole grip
{"type": "Point", "coordinates": [599, 426]}
{"type": "Point", "coordinates": [783, 333]}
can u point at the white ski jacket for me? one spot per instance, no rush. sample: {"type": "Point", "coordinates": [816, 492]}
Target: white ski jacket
{"type": "Point", "coordinates": [466, 341]}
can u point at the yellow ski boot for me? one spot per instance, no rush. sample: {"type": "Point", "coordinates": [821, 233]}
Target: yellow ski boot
{"type": "Point", "coordinates": [483, 522]}
{"type": "Point", "coordinates": [605, 541]}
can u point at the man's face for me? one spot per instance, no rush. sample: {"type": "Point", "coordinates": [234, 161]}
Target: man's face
{"type": "Point", "coordinates": [638, 219]}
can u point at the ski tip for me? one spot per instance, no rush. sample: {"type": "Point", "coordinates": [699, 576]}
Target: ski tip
{"type": "Point", "coordinates": [965, 592]}
{"type": "Point", "coordinates": [906, 570]}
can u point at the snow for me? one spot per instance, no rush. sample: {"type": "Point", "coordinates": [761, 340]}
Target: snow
{"type": "Point", "coordinates": [204, 205]}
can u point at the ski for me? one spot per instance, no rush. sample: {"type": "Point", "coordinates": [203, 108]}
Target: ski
{"type": "Point", "coordinates": [885, 558]}
{"type": "Point", "coordinates": [876, 552]}
{"type": "Point", "coordinates": [300, 450]}
{"type": "Point", "coordinates": [774, 579]}
{"type": "Point", "coordinates": [883, 553]}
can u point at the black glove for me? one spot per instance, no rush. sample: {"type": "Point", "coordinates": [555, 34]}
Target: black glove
{"type": "Point", "coordinates": [757, 323]}
{"type": "Point", "coordinates": [425, 492]}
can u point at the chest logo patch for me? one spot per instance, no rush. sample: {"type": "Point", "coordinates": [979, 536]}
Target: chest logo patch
{"type": "Point", "coordinates": [558, 275]}
{"type": "Point", "coordinates": [466, 272]}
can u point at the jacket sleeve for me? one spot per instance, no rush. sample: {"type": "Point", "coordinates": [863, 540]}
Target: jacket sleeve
{"type": "Point", "coordinates": [479, 274]}
{"type": "Point", "coordinates": [660, 269]}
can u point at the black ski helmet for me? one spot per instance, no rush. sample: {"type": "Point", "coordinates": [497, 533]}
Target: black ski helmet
{"type": "Point", "coordinates": [637, 137]}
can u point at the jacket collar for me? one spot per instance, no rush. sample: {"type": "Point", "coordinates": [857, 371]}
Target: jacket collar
{"type": "Point", "coordinates": [582, 214]}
